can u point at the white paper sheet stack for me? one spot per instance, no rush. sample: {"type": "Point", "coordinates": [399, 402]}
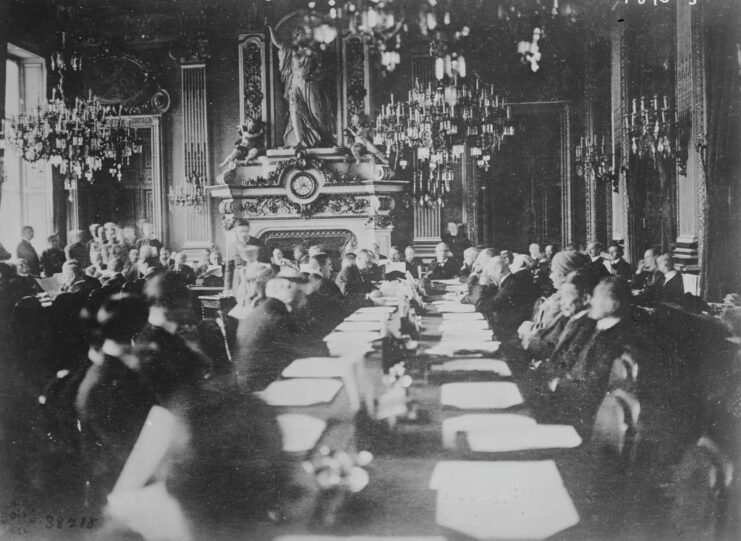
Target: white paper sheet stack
{"type": "Point", "coordinates": [300, 392]}
{"type": "Point", "coordinates": [329, 367]}
{"type": "Point", "coordinates": [450, 348]}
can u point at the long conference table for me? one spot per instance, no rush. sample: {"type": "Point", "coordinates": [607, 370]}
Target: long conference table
{"type": "Point", "coordinates": [475, 464]}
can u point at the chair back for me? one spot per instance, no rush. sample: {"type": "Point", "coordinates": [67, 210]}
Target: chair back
{"type": "Point", "coordinates": [691, 284]}
{"type": "Point", "coordinates": [701, 492]}
{"type": "Point", "coordinates": [624, 373]}
{"type": "Point", "coordinates": [616, 428]}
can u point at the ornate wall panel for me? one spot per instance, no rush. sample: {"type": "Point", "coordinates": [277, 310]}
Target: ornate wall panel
{"type": "Point", "coordinates": [619, 143]}
{"type": "Point", "coordinates": [355, 80]}
{"type": "Point", "coordinates": [253, 95]}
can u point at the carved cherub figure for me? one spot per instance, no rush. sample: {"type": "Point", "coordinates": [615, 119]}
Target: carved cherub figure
{"type": "Point", "coordinates": [360, 134]}
{"type": "Point", "coordinates": [249, 145]}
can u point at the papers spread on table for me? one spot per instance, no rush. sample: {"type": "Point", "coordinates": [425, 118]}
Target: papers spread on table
{"type": "Point", "coordinates": [375, 310]}
{"type": "Point", "coordinates": [505, 439]}
{"type": "Point", "coordinates": [475, 422]}
{"type": "Point", "coordinates": [52, 286]}
{"type": "Point", "coordinates": [300, 432]}
{"type": "Point", "coordinates": [478, 336]}
{"type": "Point", "coordinates": [457, 288]}
{"type": "Point", "coordinates": [360, 326]}
{"type": "Point", "coordinates": [458, 326]}
{"type": "Point", "coordinates": [391, 266]}
{"type": "Point", "coordinates": [453, 306]}
{"type": "Point", "coordinates": [502, 499]}
{"type": "Point", "coordinates": [356, 337]}
{"type": "Point", "coordinates": [329, 367]}
{"type": "Point", "coordinates": [300, 392]}
{"type": "Point", "coordinates": [360, 316]}
{"type": "Point", "coordinates": [464, 316]}
{"type": "Point", "coordinates": [496, 366]}
{"type": "Point", "coordinates": [447, 282]}
{"type": "Point", "coordinates": [448, 348]}
{"type": "Point", "coordinates": [480, 395]}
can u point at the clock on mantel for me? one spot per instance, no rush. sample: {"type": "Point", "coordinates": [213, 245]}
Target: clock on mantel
{"type": "Point", "coordinates": [303, 185]}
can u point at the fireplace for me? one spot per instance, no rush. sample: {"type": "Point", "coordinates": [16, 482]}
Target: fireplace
{"type": "Point", "coordinates": [333, 240]}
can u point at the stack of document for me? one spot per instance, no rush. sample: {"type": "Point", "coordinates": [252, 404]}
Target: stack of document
{"type": "Point", "coordinates": [300, 432]}
{"type": "Point", "coordinates": [457, 327]}
{"type": "Point", "coordinates": [329, 367]}
{"type": "Point", "coordinates": [523, 438]}
{"type": "Point", "coordinates": [481, 422]}
{"type": "Point", "coordinates": [448, 282]}
{"type": "Point", "coordinates": [453, 306]}
{"type": "Point", "coordinates": [462, 316]}
{"type": "Point", "coordinates": [480, 395]}
{"type": "Point", "coordinates": [449, 348]}
{"type": "Point", "coordinates": [375, 310]}
{"type": "Point", "coordinates": [494, 366]}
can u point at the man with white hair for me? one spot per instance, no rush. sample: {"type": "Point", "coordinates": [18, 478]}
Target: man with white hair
{"type": "Point", "coordinates": [469, 257]}
{"type": "Point", "coordinates": [511, 304]}
{"type": "Point", "coordinates": [444, 267]}
{"type": "Point", "coordinates": [268, 338]}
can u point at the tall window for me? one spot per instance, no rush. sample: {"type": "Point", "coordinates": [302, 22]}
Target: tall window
{"type": "Point", "coordinates": [27, 191]}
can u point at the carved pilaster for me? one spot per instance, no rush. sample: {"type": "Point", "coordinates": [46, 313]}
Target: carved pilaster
{"type": "Point", "coordinates": [567, 198]}
{"type": "Point", "coordinates": [620, 144]}
{"type": "Point", "coordinates": [590, 188]}
{"type": "Point", "coordinates": [355, 79]}
{"type": "Point", "coordinates": [253, 94]}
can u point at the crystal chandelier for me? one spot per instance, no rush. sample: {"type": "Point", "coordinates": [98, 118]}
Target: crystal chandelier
{"type": "Point", "coordinates": [79, 137]}
{"type": "Point", "coordinates": [190, 194]}
{"type": "Point", "coordinates": [593, 160]}
{"type": "Point", "coordinates": [650, 127]}
{"type": "Point", "coordinates": [436, 126]}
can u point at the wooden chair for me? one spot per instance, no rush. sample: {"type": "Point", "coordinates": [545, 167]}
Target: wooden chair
{"type": "Point", "coordinates": [701, 493]}
{"type": "Point", "coordinates": [616, 427]}
{"type": "Point", "coordinates": [624, 373]}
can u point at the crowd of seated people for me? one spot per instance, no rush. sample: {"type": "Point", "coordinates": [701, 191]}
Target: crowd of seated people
{"type": "Point", "coordinates": [124, 336]}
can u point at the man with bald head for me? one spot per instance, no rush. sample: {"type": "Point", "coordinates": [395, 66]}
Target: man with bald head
{"type": "Point", "coordinates": [511, 303]}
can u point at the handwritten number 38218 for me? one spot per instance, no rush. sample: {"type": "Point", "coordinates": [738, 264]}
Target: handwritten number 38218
{"type": "Point", "coordinates": [58, 523]}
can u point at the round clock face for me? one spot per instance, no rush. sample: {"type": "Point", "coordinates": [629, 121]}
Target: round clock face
{"type": "Point", "coordinates": [303, 186]}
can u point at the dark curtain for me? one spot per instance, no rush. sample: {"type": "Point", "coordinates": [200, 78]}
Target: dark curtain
{"type": "Point", "coordinates": [60, 204]}
{"type": "Point", "coordinates": [720, 260]}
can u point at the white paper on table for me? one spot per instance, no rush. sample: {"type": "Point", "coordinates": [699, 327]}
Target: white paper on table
{"type": "Point", "coordinates": [454, 307]}
{"type": "Point", "coordinates": [505, 439]}
{"type": "Point", "coordinates": [300, 432]}
{"type": "Point", "coordinates": [480, 395]}
{"type": "Point", "coordinates": [329, 367]}
{"type": "Point", "coordinates": [452, 347]}
{"type": "Point", "coordinates": [356, 337]}
{"type": "Point", "coordinates": [472, 336]}
{"type": "Point", "coordinates": [375, 310]}
{"type": "Point", "coordinates": [392, 266]}
{"type": "Point", "coordinates": [457, 326]}
{"type": "Point", "coordinates": [475, 422]}
{"type": "Point", "coordinates": [453, 296]}
{"type": "Point", "coordinates": [159, 432]}
{"type": "Point", "coordinates": [502, 500]}
{"type": "Point", "coordinates": [300, 392]}
{"type": "Point", "coordinates": [462, 316]}
{"type": "Point", "coordinates": [360, 326]}
{"type": "Point", "coordinates": [497, 366]}
{"type": "Point", "coordinates": [457, 288]}
{"type": "Point", "coordinates": [359, 316]}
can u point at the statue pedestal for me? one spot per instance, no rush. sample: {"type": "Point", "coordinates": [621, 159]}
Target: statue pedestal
{"type": "Point", "coordinates": [316, 196]}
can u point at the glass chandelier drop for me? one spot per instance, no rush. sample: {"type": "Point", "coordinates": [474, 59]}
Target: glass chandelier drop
{"type": "Point", "coordinates": [438, 126]}
{"type": "Point", "coordinates": [650, 127]}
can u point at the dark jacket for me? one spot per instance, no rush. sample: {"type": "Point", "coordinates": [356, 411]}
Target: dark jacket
{"type": "Point", "coordinates": [671, 291]}
{"type": "Point", "coordinates": [52, 260]}
{"type": "Point", "coordinates": [187, 273]}
{"type": "Point", "coordinates": [80, 252]}
{"type": "Point", "coordinates": [543, 341]}
{"type": "Point", "coordinates": [84, 284]}
{"type": "Point", "coordinates": [267, 342]}
{"type": "Point", "coordinates": [621, 268]}
{"type": "Point", "coordinates": [457, 245]}
{"type": "Point", "coordinates": [25, 250]}
{"type": "Point", "coordinates": [413, 266]}
{"type": "Point", "coordinates": [510, 305]}
{"type": "Point", "coordinates": [324, 309]}
{"type": "Point", "coordinates": [352, 282]}
{"type": "Point", "coordinates": [443, 271]}
{"type": "Point", "coordinates": [598, 270]}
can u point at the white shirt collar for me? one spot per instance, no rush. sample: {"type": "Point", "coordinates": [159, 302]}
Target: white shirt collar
{"type": "Point", "coordinates": [581, 314]}
{"type": "Point", "coordinates": [595, 258]}
{"type": "Point", "coordinates": [669, 275]}
{"type": "Point", "coordinates": [607, 323]}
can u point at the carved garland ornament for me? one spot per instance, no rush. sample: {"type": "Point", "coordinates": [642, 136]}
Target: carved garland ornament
{"type": "Point", "coordinates": [324, 204]}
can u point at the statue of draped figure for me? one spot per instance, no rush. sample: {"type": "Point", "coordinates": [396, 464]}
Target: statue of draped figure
{"type": "Point", "coordinates": [311, 122]}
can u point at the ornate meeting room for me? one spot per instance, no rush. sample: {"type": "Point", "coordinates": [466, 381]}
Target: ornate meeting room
{"type": "Point", "coordinates": [370, 270]}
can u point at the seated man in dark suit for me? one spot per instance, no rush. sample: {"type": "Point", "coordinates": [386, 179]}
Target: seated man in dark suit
{"type": "Point", "coordinates": [76, 249]}
{"type": "Point", "coordinates": [671, 287]}
{"type": "Point", "coordinates": [513, 301]}
{"type": "Point", "coordinates": [597, 264]}
{"type": "Point", "coordinates": [181, 267]}
{"type": "Point", "coordinates": [414, 264]}
{"type": "Point", "coordinates": [444, 266]}
{"type": "Point", "coordinates": [268, 339]}
{"type": "Point", "coordinates": [579, 392]}
{"type": "Point", "coordinates": [617, 265]}
{"type": "Point", "coordinates": [75, 280]}
{"type": "Point", "coordinates": [354, 282]}
{"type": "Point", "coordinates": [324, 307]}
{"type": "Point", "coordinates": [647, 273]}
{"type": "Point", "coordinates": [52, 258]}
